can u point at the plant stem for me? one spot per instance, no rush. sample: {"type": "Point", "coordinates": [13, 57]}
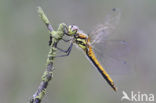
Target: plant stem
{"type": "Point", "coordinates": [48, 73]}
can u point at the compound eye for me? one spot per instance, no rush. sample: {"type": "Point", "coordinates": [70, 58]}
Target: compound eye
{"type": "Point", "coordinates": [74, 28]}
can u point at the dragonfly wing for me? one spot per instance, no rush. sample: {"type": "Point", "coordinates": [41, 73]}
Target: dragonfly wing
{"type": "Point", "coordinates": [113, 55]}
{"type": "Point", "coordinates": [103, 30]}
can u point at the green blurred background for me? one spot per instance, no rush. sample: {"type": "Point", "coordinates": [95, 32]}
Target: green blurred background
{"type": "Point", "coordinates": [24, 47]}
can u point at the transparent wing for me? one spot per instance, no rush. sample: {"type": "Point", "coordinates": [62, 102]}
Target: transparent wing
{"type": "Point", "coordinates": [114, 56]}
{"type": "Point", "coordinates": [103, 30]}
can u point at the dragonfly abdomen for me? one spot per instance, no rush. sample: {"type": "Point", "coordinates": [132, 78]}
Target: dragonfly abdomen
{"type": "Point", "coordinates": [96, 63]}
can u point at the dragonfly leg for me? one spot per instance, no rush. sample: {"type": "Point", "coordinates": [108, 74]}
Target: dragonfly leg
{"type": "Point", "coordinates": [66, 40]}
{"type": "Point", "coordinates": [67, 52]}
{"type": "Point", "coordinates": [50, 40]}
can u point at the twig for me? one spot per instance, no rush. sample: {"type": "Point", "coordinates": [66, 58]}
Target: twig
{"type": "Point", "coordinates": [48, 73]}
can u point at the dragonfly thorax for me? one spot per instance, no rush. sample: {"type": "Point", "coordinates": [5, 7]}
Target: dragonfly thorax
{"type": "Point", "coordinates": [81, 43]}
{"type": "Point", "coordinates": [81, 39]}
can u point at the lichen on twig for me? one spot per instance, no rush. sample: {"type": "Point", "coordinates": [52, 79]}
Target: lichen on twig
{"type": "Point", "coordinates": [48, 73]}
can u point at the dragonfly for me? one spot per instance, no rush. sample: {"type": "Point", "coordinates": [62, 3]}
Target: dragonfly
{"type": "Point", "coordinates": [90, 42]}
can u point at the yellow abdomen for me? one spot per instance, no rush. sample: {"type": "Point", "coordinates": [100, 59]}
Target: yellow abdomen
{"type": "Point", "coordinates": [96, 63]}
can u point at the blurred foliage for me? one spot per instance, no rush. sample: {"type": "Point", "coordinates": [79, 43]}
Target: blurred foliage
{"type": "Point", "coordinates": [24, 47]}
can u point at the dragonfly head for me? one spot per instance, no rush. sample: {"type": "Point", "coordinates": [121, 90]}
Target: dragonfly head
{"type": "Point", "coordinates": [72, 30]}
